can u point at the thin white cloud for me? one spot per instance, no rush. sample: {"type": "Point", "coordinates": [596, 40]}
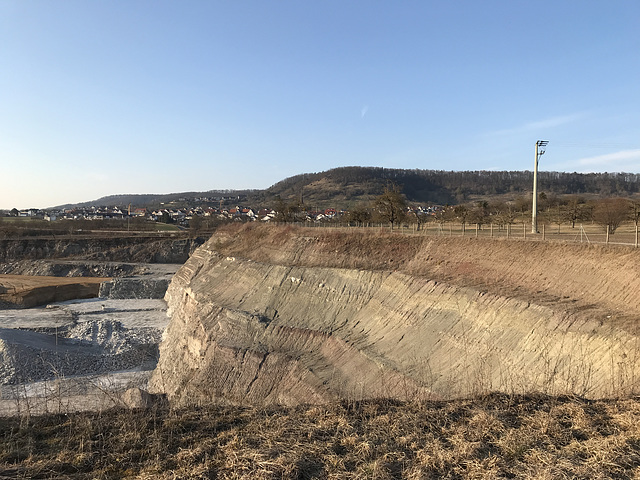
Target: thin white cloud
{"type": "Point", "coordinates": [616, 158]}
{"type": "Point", "coordinates": [539, 125]}
{"type": "Point", "coordinates": [611, 157]}
{"type": "Point", "coordinates": [364, 111]}
{"type": "Point", "coordinates": [622, 161]}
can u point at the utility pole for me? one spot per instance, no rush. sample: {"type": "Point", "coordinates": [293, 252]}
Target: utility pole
{"type": "Point", "coordinates": [540, 146]}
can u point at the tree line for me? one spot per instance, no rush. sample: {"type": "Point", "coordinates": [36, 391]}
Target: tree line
{"type": "Point", "coordinates": [450, 187]}
{"type": "Point", "coordinates": [393, 208]}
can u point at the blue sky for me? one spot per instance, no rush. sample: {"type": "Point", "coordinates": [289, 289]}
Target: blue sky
{"type": "Point", "coordinates": [154, 96]}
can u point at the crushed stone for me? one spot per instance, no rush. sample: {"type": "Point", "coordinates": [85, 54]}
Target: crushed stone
{"type": "Point", "coordinates": [108, 337]}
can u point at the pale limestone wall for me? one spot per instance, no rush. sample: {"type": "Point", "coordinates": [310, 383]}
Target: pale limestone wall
{"type": "Point", "coordinates": [242, 331]}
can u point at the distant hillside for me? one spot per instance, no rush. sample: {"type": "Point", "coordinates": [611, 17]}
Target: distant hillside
{"type": "Point", "coordinates": [349, 185]}
{"type": "Point", "coordinates": [346, 186]}
{"type": "Point", "coordinates": [153, 200]}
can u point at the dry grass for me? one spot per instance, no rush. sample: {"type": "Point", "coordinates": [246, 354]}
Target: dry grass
{"type": "Point", "coordinates": [370, 249]}
{"type": "Point", "coordinates": [496, 436]}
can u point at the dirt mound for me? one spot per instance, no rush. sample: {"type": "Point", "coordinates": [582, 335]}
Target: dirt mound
{"type": "Point", "coordinates": [282, 315]}
{"type": "Point", "coordinates": [87, 348]}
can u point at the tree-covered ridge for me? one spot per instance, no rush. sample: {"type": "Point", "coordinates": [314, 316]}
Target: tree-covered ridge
{"type": "Point", "coordinates": [441, 186]}
{"type": "Point", "coordinates": [345, 187]}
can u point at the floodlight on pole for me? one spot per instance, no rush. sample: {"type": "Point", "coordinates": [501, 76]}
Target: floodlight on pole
{"type": "Point", "coordinates": [540, 149]}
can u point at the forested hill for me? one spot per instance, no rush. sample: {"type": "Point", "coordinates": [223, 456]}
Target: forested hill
{"type": "Point", "coordinates": [350, 184]}
{"type": "Point", "coordinates": [347, 186]}
{"type": "Point", "coordinates": [156, 200]}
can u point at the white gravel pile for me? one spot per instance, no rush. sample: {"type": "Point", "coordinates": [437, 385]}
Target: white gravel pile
{"type": "Point", "coordinates": [104, 336]}
{"type": "Point", "coordinates": [87, 349]}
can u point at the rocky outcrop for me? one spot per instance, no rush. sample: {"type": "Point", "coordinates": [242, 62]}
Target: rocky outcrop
{"type": "Point", "coordinates": [70, 268]}
{"type": "Point", "coordinates": [261, 332]}
{"type": "Point", "coordinates": [28, 285]}
{"type": "Point", "coordinates": [118, 249]}
{"type": "Point", "coordinates": [119, 288]}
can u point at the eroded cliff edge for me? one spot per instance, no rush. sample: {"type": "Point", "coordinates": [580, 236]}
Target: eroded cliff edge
{"type": "Point", "coordinates": [264, 315]}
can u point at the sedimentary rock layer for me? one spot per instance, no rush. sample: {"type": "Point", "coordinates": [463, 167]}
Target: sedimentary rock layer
{"type": "Point", "coordinates": [120, 249]}
{"type": "Point", "coordinates": [412, 317]}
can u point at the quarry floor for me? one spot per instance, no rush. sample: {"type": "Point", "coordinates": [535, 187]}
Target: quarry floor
{"type": "Point", "coordinates": [78, 354]}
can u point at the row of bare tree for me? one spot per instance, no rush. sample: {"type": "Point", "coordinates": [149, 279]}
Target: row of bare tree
{"type": "Point", "coordinates": [610, 213]}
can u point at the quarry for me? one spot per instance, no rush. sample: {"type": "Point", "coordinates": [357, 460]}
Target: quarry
{"type": "Point", "coordinates": [265, 315]}
{"type": "Point", "coordinates": [287, 352]}
{"type": "Point", "coordinates": [77, 331]}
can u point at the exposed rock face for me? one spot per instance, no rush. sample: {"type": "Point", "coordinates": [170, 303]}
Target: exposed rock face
{"type": "Point", "coordinates": [38, 282]}
{"type": "Point", "coordinates": [263, 332]}
{"type": "Point", "coordinates": [125, 249]}
{"type": "Point", "coordinates": [69, 268]}
{"type": "Point", "coordinates": [137, 398]}
{"type": "Point", "coordinates": [134, 288]}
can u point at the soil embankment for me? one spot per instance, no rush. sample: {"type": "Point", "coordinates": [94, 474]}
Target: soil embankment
{"type": "Point", "coordinates": [27, 291]}
{"type": "Point", "coordinates": [282, 315]}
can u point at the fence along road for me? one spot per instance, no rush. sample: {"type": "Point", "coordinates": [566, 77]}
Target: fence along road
{"type": "Point", "coordinates": [593, 234]}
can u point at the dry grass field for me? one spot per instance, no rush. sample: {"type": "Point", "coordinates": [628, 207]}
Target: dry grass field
{"type": "Point", "coordinates": [495, 436]}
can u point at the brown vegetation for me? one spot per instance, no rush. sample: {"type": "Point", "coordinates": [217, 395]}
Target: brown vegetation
{"type": "Point", "coordinates": [495, 436]}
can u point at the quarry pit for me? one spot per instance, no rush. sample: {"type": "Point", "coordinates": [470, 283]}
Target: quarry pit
{"type": "Point", "coordinates": [266, 315]}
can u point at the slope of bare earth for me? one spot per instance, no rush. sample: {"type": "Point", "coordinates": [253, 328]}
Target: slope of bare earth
{"type": "Point", "coordinates": [28, 291]}
{"type": "Point", "coordinates": [265, 315]}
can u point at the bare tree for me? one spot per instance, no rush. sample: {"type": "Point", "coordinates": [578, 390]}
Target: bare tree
{"type": "Point", "coordinates": [391, 206]}
{"type": "Point", "coordinates": [360, 214]}
{"type": "Point", "coordinates": [288, 212]}
{"type": "Point", "coordinates": [610, 213]}
{"type": "Point", "coordinates": [461, 212]}
{"type": "Point", "coordinates": [479, 213]}
{"type": "Point", "coordinates": [503, 213]}
{"type": "Point", "coordinates": [575, 210]}
{"type": "Point", "coordinates": [196, 225]}
{"type": "Point", "coordinates": [634, 211]}
{"type": "Point", "coordinates": [444, 215]}
{"type": "Point", "coordinates": [523, 205]}
{"type": "Point", "coordinates": [418, 216]}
